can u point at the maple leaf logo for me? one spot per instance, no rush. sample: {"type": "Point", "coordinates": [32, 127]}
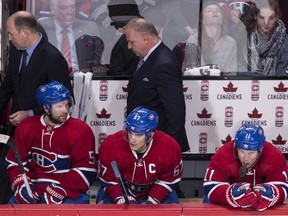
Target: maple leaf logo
{"type": "Point", "coordinates": [230, 88]}
{"type": "Point", "coordinates": [280, 88]}
{"type": "Point", "coordinates": [255, 114]}
{"type": "Point", "coordinates": [125, 89]}
{"type": "Point", "coordinates": [103, 114]}
{"type": "Point", "coordinates": [279, 140]}
{"type": "Point", "coordinates": [204, 114]}
{"type": "Point", "coordinates": [228, 139]}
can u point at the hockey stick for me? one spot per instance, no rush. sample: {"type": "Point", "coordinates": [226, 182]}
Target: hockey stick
{"type": "Point", "coordinates": [7, 140]}
{"type": "Point", "coordinates": [120, 182]}
{"type": "Point", "coordinates": [242, 172]}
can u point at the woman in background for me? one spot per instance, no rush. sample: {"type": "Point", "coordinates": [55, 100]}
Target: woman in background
{"type": "Point", "coordinates": [267, 50]}
{"type": "Point", "coordinates": [216, 46]}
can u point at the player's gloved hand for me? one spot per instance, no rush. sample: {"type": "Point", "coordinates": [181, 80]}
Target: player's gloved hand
{"type": "Point", "coordinates": [152, 200]}
{"type": "Point", "coordinates": [121, 200]}
{"type": "Point", "coordinates": [54, 194]}
{"type": "Point", "coordinates": [269, 195]}
{"type": "Point", "coordinates": [240, 195]}
{"type": "Point", "coordinates": [20, 191]}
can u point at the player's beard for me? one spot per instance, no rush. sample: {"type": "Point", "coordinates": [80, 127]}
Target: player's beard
{"type": "Point", "coordinates": [58, 119]}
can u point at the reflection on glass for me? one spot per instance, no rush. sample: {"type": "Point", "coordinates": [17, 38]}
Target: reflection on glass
{"type": "Point", "coordinates": [223, 32]}
{"type": "Point", "coordinates": [217, 47]}
{"type": "Point", "coordinates": [78, 40]}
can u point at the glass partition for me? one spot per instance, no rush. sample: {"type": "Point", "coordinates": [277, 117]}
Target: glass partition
{"type": "Point", "coordinates": [209, 38]}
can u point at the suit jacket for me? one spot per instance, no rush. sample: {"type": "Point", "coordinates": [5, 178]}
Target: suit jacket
{"type": "Point", "coordinates": [45, 65]}
{"type": "Point", "coordinates": [80, 28]}
{"type": "Point", "coordinates": [158, 86]}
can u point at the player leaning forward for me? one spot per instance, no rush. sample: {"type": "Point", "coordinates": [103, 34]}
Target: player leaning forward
{"type": "Point", "coordinates": [247, 172]}
{"type": "Point", "coordinates": [149, 162]}
{"type": "Point", "coordinates": [58, 152]}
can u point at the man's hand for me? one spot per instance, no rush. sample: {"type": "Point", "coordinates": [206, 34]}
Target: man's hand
{"type": "Point", "coordinates": [54, 194]}
{"type": "Point", "coordinates": [121, 200]}
{"type": "Point", "coordinates": [18, 117]}
{"type": "Point", "coordinates": [20, 191]}
{"type": "Point", "coordinates": [240, 195]}
{"type": "Point", "coordinates": [269, 195]}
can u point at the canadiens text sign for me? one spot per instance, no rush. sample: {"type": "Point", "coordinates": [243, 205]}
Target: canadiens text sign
{"type": "Point", "coordinates": [215, 109]}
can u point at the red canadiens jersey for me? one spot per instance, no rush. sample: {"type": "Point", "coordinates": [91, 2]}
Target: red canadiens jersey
{"type": "Point", "coordinates": [62, 154]}
{"type": "Point", "coordinates": [224, 169]}
{"type": "Point", "coordinates": [152, 175]}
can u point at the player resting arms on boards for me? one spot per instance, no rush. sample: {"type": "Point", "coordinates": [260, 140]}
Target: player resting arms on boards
{"type": "Point", "coordinates": [247, 172]}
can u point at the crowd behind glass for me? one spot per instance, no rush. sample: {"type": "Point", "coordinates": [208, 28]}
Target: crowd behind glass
{"type": "Point", "coordinates": [239, 38]}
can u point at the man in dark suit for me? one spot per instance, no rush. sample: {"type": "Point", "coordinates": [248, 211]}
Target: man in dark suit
{"type": "Point", "coordinates": [44, 63]}
{"type": "Point", "coordinates": [157, 84]}
{"type": "Point", "coordinates": [64, 19]}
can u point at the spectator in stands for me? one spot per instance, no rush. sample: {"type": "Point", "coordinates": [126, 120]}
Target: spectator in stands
{"type": "Point", "coordinates": [245, 172]}
{"type": "Point", "coordinates": [157, 81]}
{"type": "Point", "coordinates": [78, 40]}
{"type": "Point", "coordinates": [44, 63]}
{"type": "Point", "coordinates": [149, 161]}
{"type": "Point", "coordinates": [217, 47]}
{"type": "Point", "coordinates": [122, 59]}
{"type": "Point", "coordinates": [267, 52]}
{"type": "Point", "coordinates": [58, 152]}
{"type": "Point", "coordinates": [43, 9]}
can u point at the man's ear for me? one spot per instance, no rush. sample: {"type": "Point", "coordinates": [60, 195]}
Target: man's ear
{"type": "Point", "coordinates": [146, 38]}
{"type": "Point", "coordinates": [46, 109]}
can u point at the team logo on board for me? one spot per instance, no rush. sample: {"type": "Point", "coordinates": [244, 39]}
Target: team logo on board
{"type": "Point", "coordinates": [255, 87]}
{"type": "Point", "coordinates": [255, 118]}
{"type": "Point", "coordinates": [279, 115]}
{"type": "Point", "coordinates": [204, 119]}
{"type": "Point", "coordinates": [103, 93]}
{"type": "Point", "coordinates": [228, 116]}
{"type": "Point", "coordinates": [230, 93]}
{"type": "Point", "coordinates": [204, 95]}
{"type": "Point", "coordinates": [203, 142]}
{"type": "Point", "coordinates": [280, 92]}
{"type": "Point", "coordinates": [103, 119]}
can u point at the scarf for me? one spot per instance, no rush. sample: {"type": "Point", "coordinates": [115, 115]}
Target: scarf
{"type": "Point", "coordinates": [262, 55]}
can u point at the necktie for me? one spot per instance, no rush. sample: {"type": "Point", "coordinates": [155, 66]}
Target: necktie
{"type": "Point", "coordinates": [23, 63]}
{"type": "Point", "coordinates": [65, 48]}
{"type": "Point", "coordinates": [141, 61]}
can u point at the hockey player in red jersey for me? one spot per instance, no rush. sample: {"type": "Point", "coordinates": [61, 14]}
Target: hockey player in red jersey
{"type": "Point", "coordinates": [58, 152]}
{"type": "Point", "coordinates": [247, 172]}
{"type": "Point", "coordinates": [149, 161]}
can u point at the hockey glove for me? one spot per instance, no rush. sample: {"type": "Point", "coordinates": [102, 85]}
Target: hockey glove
{"type": "Point", "coordinates": [54, 194]}
{"type": "Point", "coordinates": [121, 200]}
{"type": "Point", "coordinates": [269, 195]}
{"type": "Point", "coordinates": [240, 195]}
{"type": "Point", "coordinates": [20, 191]}
{"type": "Point", "coordinates": [152, 200]}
